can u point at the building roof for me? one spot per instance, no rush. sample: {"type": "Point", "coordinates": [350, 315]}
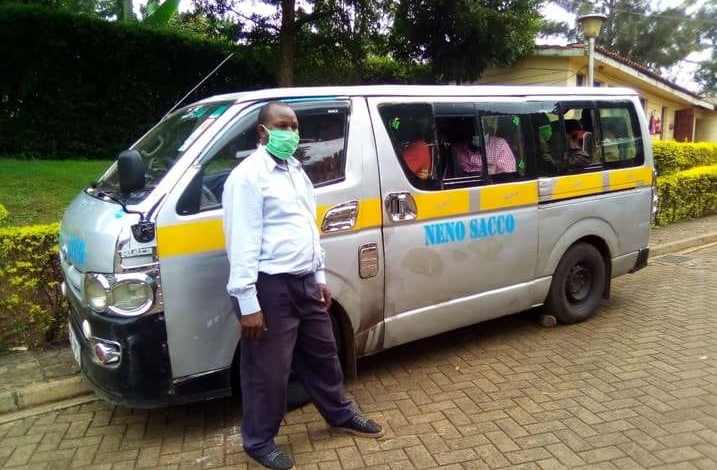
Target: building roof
{"type": "Point", "coordinates": [606, 55]}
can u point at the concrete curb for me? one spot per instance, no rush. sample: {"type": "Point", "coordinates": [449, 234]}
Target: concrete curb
{"type": "Point", "coordinates": [41, 394]}
{"type": "Point", "coordinates": [684, 244]}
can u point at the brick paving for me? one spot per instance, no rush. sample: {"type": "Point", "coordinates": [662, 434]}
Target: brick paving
{"type": "Point", "coordinates": [21, 368]}
{"type": "Point", "coordinates": [635, 387]}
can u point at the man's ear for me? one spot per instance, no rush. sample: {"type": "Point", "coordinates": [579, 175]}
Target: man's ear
{"type": "Point", "coordinates": [261, 132]}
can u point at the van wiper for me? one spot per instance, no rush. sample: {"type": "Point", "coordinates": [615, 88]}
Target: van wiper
{"type": "Point", "coordinates": [105, 194]}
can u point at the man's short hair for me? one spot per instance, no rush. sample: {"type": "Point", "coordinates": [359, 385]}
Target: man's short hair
{"type": "Point", "coordinates": [266, 110]}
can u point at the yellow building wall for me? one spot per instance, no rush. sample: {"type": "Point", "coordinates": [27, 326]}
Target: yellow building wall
{"type": "Point", "coordinates": [654, 97]}
{"type": "Point", "coordinates": [706, 128]}
{"type": "Point", "coordinates": [534, 70]}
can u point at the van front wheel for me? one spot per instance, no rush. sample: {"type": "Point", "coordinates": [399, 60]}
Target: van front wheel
{"type": "Point", "coordinates": [578, 284]}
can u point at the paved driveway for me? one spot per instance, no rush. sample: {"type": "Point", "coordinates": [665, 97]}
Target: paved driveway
{"type": "Point", "coordinates": [634, 387]}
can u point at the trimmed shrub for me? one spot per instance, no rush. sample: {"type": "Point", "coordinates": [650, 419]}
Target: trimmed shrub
{"type": "Point", "coordinates": [4, 215]}
{"type": "Point", "coordinates": [676, 156]}
{"type": "Point", "coordinates": [74, 85]}
{"type": "Point", "coordinates": [687, 194]}
{"type": "Point", "coordinates": [33, 311]}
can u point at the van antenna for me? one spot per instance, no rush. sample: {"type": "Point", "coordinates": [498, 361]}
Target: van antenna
{"type": "Point", "coordinates": [197, 86]}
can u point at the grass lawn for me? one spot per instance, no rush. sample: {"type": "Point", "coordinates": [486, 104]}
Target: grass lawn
{"type": "Point", "coordinates": [37, 191]}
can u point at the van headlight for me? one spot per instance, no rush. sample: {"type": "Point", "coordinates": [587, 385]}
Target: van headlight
{"type": "Point", "coordinates": [96, 292]}
{"type": "Point", "coordinates": [132, 296]}
{"type": "Point", "coordinates": [122, 294]}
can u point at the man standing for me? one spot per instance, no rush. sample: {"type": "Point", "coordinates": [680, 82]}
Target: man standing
{"type": "Point", "coordinates": [278, 287]}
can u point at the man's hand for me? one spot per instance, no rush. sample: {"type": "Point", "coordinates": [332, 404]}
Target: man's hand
{"type": "Point", "coordinates": [325, 295]}
{"type": "Point", "coordinates": [423, 174]}
{"type": "Point", "coordinates": [252, 325]}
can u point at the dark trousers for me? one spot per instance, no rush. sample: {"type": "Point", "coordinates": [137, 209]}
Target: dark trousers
{"type": "Point", "coordinates": [299, 337]}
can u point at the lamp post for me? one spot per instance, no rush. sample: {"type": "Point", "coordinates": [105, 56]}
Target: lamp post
{"type": "Point", "coordinates": [591, 25]}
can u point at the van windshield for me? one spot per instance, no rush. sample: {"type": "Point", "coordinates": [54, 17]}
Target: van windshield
{"type": "Point", "coordinates": [162, 147]}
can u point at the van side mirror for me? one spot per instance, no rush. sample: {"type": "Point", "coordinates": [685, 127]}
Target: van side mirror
{"type": "Point", "coordinates": [130, 170]}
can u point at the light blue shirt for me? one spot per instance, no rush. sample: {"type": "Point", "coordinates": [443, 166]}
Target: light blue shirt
{"type": "Point", "coordinates": [269, 225]}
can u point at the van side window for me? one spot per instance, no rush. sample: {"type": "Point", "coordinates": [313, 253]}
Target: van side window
{"type": "Point", "coordinates": [322, 152]}
{"type": "Point", "coordinates": [580, 134]}
{"type": "Point", "coordinates": [449, 145]}
{"type": "Point", "coordinates": [621, 141]}
{"type": "Point", "coordinates": [504, 144]}
{"type": "Point", "coordinates": [410, 127]}
{"type": "Point", "coordinates": [549, 140]}
{"type": "Point", "coordinates": [322, 148]}
{"type": "Point", "coordinates": [239, 143]}
{"type": "Point", "coordinates": [459, 142]}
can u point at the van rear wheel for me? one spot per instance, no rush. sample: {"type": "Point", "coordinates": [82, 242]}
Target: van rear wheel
{"type": "Point", "coordinates": [578, 284]}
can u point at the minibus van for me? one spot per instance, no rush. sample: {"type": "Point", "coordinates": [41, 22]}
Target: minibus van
{"type": "Point", "coordinates": [438, 207]}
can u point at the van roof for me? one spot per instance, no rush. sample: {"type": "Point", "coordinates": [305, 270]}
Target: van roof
{"type": "Point", "coordinates": [419, 90]}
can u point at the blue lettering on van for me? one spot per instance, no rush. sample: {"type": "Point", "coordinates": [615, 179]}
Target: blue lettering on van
{"type": "Point", "coordinates": [471, 229]}
{"type": "Point", "coordinates": [446, 232]}
{"type": "Point", "coordinates": [75, 250]}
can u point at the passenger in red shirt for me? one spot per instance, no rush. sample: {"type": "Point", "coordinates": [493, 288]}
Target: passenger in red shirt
{"type": "Point", "coordinates": [417, 156]}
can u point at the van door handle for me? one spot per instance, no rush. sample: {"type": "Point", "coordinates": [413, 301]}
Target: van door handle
{"type": "Point", "coordinates": [341, 217]}
{"type": "Point", "coordinates": [401, 207]}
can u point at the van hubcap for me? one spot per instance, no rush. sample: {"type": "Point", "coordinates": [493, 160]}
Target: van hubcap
{"type": "Point", "coordinates": [579, 283]}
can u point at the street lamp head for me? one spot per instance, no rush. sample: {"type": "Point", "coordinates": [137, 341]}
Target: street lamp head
{"type": "Point", "coordinates": [591, 24]}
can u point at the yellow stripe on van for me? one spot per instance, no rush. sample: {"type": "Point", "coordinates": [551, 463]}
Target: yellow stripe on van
{"type": "Point", "coordinates": [190, 239]}
{"type": "Point", "coordinates": [369, 215]}
{"type": "Point", "coordinates": [503, 196]}
{"type": "Point", "coordinates": [577, 185]}
{"type": "Point", "coordinates": [442, 204]}
{"type": "Point", "coordinates": [208, 235]}
{"type": "Point", "coordinates": [628, 178]}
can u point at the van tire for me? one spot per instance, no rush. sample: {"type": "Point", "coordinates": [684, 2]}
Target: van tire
{"type": "Point", "coordinates": [578, 284]}
{"type": "Point", "coordinates": [296, 395]}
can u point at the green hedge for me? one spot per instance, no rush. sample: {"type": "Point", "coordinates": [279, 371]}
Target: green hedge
{"type": "Point", "coordinates": [33, 311]}
{"type": "Point", "coordinates": [74, 85]}
{"type": "Point", "coordinates": [687, 194]}
{"type": "Point", "coordinates": [676, 156]}
{"type": "Point", "coordinates": [4, 215]}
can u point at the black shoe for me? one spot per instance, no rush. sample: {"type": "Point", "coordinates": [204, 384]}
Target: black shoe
{"type": "Point", "coordinates": [275, 459]}
{"type": "Point", "coordinates": [359, 425]}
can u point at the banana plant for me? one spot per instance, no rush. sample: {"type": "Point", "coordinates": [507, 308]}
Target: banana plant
{"type": "Point", "coordinates": [158, 15]}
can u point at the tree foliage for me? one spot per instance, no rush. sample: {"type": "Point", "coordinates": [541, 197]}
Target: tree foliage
{"type": "Point", "coordinates": [636, 30]}
{"type": "Point", "coordinates": [461, 38]}
{"type": "Point", "coordinates": [707, 73]}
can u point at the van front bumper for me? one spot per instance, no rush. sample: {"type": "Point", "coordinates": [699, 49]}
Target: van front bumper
{"type": "Point", "coordinates": [142, 377]}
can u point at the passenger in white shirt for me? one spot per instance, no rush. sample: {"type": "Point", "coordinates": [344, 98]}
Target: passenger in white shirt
{"type": "Point", "coordinates": [278, 285]}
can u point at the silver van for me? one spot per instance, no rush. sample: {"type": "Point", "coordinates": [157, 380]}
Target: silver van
{"type": "Point", "coordinates": [439, 207]}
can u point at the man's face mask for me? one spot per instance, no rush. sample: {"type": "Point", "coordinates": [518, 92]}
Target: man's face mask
{"type": "Point", "coordinates": [282, 143]}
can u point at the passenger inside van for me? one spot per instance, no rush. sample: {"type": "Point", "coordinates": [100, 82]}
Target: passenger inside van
{"type": "Point", "coordinates": [579, 143]}
{"type": "Point", "coordinates": [417, 153]}
{"type": "Point", "coordinates": [499, 156]}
